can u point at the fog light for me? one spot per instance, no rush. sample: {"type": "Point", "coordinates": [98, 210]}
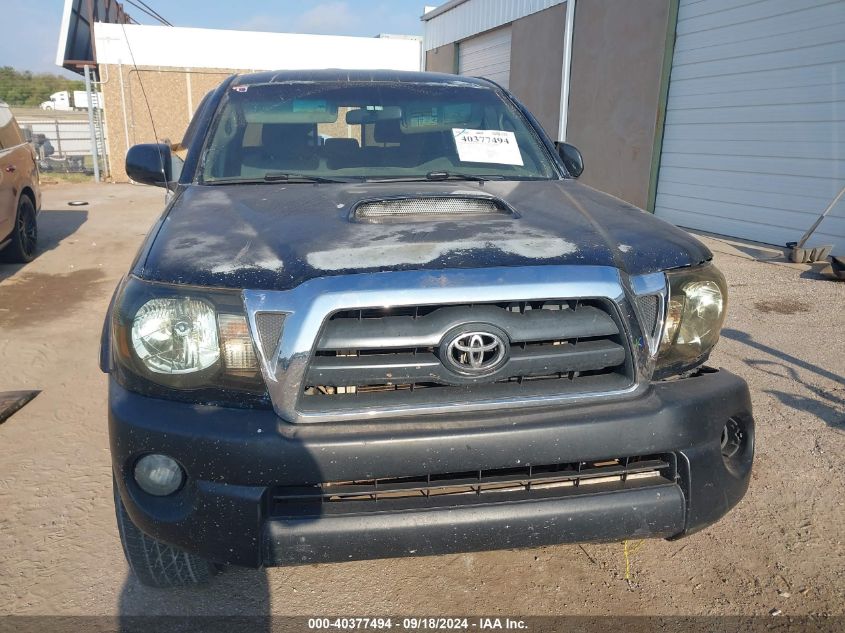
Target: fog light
{"type": "Point", "coordinates": [159, 475]}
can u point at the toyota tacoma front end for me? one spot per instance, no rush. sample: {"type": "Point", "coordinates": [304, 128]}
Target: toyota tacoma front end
{"type": "Point", "coordinates": [381, 318]}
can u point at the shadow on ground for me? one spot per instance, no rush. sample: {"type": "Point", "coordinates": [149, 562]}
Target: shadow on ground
{"type": "Point", "coordinates": [820, 271]}
{"type": "Point", "coordinates": [54, 226]}
{"type": "Point", "coordinates": [237, 599]}
{"type": "Point", "coordinates": [761, 254]}
{"type": "Point", "coordinates": [827, 405]}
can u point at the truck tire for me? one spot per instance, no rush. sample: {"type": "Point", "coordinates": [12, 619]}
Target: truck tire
{"type": "Point", "coordinates": [158, 564]}
{"type": "Point", "coordinates": [21, 249]}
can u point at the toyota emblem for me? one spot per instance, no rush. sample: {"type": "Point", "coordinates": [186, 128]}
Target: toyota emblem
{"type": "Point", "coordinates": [475, 353]}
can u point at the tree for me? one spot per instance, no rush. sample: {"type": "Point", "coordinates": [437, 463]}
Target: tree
{"type": "Point", "coordinates": [24, 88]}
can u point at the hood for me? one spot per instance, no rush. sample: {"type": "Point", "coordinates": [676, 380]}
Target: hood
{"type": "Point", "coordinates": [276, 236]}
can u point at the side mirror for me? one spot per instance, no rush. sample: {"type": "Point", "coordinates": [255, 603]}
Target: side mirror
{"type": "Point", "coordinates": [152, 164]}
{"type": "Point", "coordinates": [571, 158]}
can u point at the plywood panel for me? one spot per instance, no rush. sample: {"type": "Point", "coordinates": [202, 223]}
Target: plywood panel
{"type": "Point", "coordinates": [617, 57]}
{"type": "Point", "coordinates": [167, 92]}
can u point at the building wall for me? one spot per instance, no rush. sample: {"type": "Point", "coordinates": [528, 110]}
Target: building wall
{"type": "Point", "coordinates": [443, 59]}
{"type": "Point", "coordinates": [617, 59]}
{"type": "Point", "coordinates": [173, 95]}
{"type": "Point", "coordinates": [537, 42]}
{"type": "Point", "coordinates": [451, 22]}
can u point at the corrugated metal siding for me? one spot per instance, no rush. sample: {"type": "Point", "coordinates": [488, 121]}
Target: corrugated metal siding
{"type": "Point", "coordinates": [754, 143]}
{"type": "Point", "coordinates": [487, 55]}
{"type": "Point", "coordinates": [476, 16]}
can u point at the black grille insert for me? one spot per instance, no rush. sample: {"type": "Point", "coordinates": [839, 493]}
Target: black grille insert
{"type": "Point", "coordinates": [482, 486]}
{"type": "Point", "coordinates": [394, 356]}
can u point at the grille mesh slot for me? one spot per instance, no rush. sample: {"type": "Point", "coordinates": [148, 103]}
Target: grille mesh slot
{"type": "Point", "coordinates": [431, 206]}
{"type": "Point", "coordinates": [649, 311]}
{"type": "Point", "coordinates": [269, 326]}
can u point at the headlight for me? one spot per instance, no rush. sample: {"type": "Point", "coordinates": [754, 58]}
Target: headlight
{"type": "Point", "coordinates": [176, 336]}
{"type": "Point", "coordinates": [696, 311]}
{"type": "Point", "coordinates": [186, 343]}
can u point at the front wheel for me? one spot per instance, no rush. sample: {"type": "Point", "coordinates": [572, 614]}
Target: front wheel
{"type": "Point", "coordinates": [158, 564]}
{"type": "Point", "coordinates": [24, 237]}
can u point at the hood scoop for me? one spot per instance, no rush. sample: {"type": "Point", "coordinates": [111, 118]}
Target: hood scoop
{"type": "Point", "coordinates": [422, 208]}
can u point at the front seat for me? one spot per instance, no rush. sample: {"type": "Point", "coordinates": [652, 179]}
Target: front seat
{"type": "Point", "coordinates": [284, 147]}
{"type": "Point", "coordinates": [341, 152]}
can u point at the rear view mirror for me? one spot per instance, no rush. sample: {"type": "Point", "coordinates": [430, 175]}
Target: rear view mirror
{"type": "Point", "coordinates": [151, 164]}
{"type": "Point", "coordinates": [571, 158]}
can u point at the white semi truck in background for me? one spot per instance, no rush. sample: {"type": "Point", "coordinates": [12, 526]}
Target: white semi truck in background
{"type": "Point", "coordinates": [63, 101]}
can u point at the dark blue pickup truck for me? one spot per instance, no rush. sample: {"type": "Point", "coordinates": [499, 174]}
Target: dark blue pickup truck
{"type": "Point", "coordinates": [380, 317]}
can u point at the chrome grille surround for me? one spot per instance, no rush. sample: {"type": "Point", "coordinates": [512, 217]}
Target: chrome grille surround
{"type": "Point", "coordinates": [308, 306]}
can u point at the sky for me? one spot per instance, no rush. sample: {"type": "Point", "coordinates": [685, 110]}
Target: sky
{"type": "Point", "coordinates": [33, 45]}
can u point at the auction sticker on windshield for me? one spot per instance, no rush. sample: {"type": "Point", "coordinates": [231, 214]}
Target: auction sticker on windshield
{"type": "Point", "coordinates": [487, 146]}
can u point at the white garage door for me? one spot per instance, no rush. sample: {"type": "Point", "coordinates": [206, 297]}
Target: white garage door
{"type": "Point", "coordinates": [754, 144]}
{"type": "Point", "coordinates": [487, 55]}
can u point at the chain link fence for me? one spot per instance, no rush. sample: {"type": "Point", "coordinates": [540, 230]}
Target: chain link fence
{"type": "Point", "coordinates": [64, 143]}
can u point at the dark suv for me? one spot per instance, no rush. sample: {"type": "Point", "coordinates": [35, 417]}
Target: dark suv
{"type": "Point", "coordinates": [380, 317]}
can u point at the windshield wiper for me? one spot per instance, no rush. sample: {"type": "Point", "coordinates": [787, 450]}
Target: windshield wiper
{"type": "Point", "coordinates": [450, 175]}
{"type": "Point", "coordinates": [283, 177]}
{"type": "Point", "coordinates": [270, 177]}
{"type": "Point", "coordinates": [434, 176]}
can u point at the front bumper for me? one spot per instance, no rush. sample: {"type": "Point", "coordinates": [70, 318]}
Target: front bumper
{"type": "Point", "coordinates": [235, 458]}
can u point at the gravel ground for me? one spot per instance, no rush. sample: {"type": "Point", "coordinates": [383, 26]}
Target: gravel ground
{"type": "Point", "coordinates": [781, 548]}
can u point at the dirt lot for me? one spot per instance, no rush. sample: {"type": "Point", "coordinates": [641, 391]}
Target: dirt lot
{"type": "Point", "coordinates": [782, 548]}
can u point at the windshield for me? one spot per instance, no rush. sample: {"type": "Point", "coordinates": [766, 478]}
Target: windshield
{"type": "Point", "coordinates": [310, 132]}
